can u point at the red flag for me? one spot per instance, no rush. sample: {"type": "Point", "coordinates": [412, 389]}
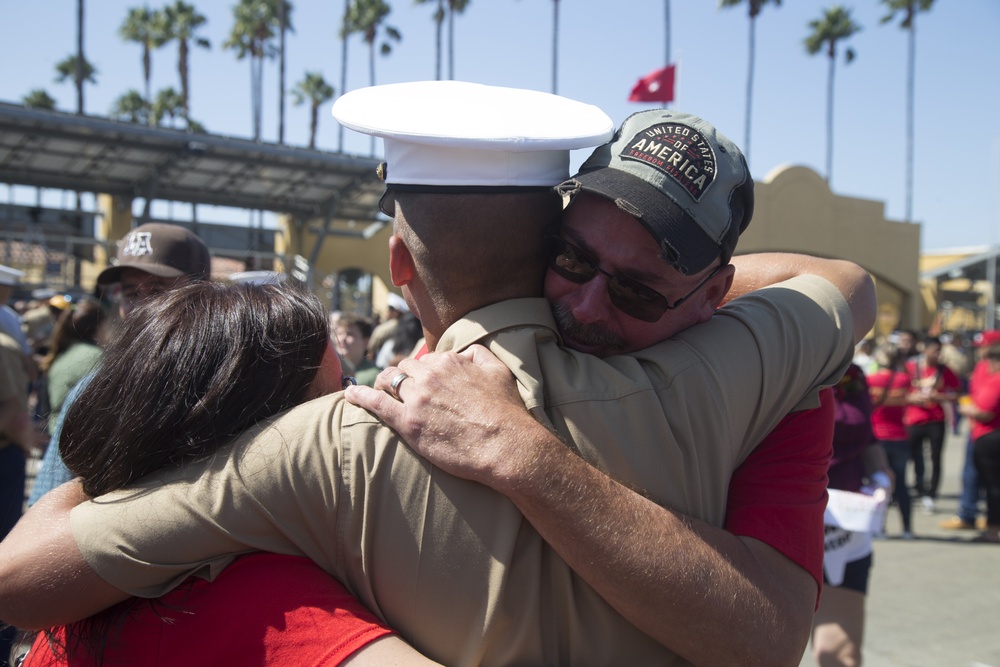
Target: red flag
{"type": "Point", "coordinates": [655, 87]}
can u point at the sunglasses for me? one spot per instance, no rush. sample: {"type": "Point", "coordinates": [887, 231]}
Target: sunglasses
{"type": "Point", "coordinates": [628, 295]}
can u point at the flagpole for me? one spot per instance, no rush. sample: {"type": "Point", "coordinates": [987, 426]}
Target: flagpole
{"type": "Point", "coordinates": [666, 41]}
{"type": "Point", "coordinates": [677, 81]}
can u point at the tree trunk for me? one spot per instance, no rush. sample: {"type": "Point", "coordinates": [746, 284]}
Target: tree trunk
{"type": "Point", "coordinates": [439, 20]}
{"type": "Point", "coordinates": [555, 47]}
{"type": "Point", "coordinates": [750, 59]}
{"type": "Point", "coordinates": [182, 72]}
{"type": "Point", "coordinates": [829, 117]}
{"type": "Point", "coordinates": [911, 66]}
{"type": "Point", "coordinates": [256, 92]}
{"type": "Point", "coordinates": [281, 73]}
{"type": "Point", "coordinates": [343, 70]}
{"type": "Point", "coordinates": [147, 67]}
{"type": "Point", "coordinates": [371, 81]}
{"type": "Point", "coordinates": [79, 57]}
{"type": "Point", "coordinates": [313, 122]}
{"type": "Point", "coordinates": [451, 43]}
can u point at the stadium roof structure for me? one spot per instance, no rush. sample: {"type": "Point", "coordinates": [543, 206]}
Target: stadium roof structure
{"type": "Point", "coordinates": [960, 274]}
{"type": "Point", "coordinates": [975, 264]}
{"type": "Point", "coordinates": [51, 149]}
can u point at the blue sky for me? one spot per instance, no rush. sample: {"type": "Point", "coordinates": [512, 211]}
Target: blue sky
{"type": "Point", "coordinates": [604, 48]}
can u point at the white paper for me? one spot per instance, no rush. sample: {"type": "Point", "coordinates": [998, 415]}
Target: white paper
{"type": "Point", "coordinates": [841, 547]}
{"type": "Point", "coordinates": [856, 511]}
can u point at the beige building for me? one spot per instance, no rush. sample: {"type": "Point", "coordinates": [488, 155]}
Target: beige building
{"type": "Point", "coordinates": [795, 211]}
{"type": "Point", "coordinates": [330, 233]}
{"type": "Point", "coordinates": [355, 248]}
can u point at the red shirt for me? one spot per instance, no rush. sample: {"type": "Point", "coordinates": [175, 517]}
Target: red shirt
{"type": "Point", "coordinates": [984, 388]}
{"type": "Point", "coordinates": [941, 379]}
{"type": "Point", "coordinates": [264, 609]}
{"type": "Point", "coordinates": [887, 420]}
{"type": "Point", "coordinates": [778, 495]}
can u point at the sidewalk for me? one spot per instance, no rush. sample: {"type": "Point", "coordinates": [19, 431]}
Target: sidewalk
{"type": "Point", "coordinates": [935, 601]}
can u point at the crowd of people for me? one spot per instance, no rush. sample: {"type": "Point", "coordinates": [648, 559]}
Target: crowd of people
{"type": "Point", "coordinates": [922, 389]}
{"type": "Point", "coordinates": [366, 345]}
{"type": "Point", "coordinates": [704, 412]}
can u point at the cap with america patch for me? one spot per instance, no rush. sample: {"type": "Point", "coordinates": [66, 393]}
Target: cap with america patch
{"type": "Point", "coordinates": [681, 178]}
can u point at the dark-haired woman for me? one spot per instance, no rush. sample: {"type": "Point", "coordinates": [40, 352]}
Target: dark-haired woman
{"type": "Point", "coordinates": [185, 373]}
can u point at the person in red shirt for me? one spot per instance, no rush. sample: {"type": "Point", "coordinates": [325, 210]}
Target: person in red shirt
{"type": "Point", "coordinates": [984, 411]}
{"type": "Point", "coordinates": [935, 387]}
{"type": "Point", "coordinates": [859, 465]}
{"type": "Point", "coordinates": [889, 387]}
{"type": "Point", "coordinates": [264, 609]}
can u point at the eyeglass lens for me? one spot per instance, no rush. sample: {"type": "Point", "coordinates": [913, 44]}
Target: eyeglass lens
{"type": "Point", "coordinates": [628, 295]}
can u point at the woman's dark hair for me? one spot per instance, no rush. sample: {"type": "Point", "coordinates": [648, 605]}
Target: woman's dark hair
{"type": "Point", "coordinates": [186, 372]}
{"type": "Point", "coordinates": [78, 323]}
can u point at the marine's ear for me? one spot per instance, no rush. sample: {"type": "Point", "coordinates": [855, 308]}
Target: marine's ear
{"type": "Point", "coordinates": [401, 267]}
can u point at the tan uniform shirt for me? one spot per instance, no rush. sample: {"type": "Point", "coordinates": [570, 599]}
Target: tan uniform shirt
{"type": "Point", "coordinates": [449, 563]}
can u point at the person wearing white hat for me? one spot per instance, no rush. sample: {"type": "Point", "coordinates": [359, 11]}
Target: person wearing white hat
{"type": "Point", "coordinates": [451, 564]}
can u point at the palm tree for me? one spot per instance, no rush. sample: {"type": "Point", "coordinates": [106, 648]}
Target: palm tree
{"type": "Point", "coordinates": [146, 28]}
{"type": "Point", "coordinates": [182, 21]}
{"type": "Point", "coordinates": [754, 9]}
{"type": "Point", "coordinates": [39, 99]}
{"type": "Point", "coordinates": [251, 35]}
{"type": "Point", "coordinates": [368, 18]}
{"type": "Point", "coordinates": [438, 19]}
{"type": "Point", "coordinates": [168, 103]}
{"type": "Point", "coordinates": [454, 7]}
{"type": "Point", "coordinates": [71, 68]}
{"type": "Point", "coordinates": [835, 25]}
{"type": "Point", "coordinates": [315, 90]}
{"type": "Point", "coordinates": [132, 107]}
{"type": "Point", "coordinates": [909, 9]}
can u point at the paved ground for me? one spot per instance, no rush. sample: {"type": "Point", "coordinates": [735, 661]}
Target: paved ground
{"type": "Point", "coordinates": [935, 601]}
